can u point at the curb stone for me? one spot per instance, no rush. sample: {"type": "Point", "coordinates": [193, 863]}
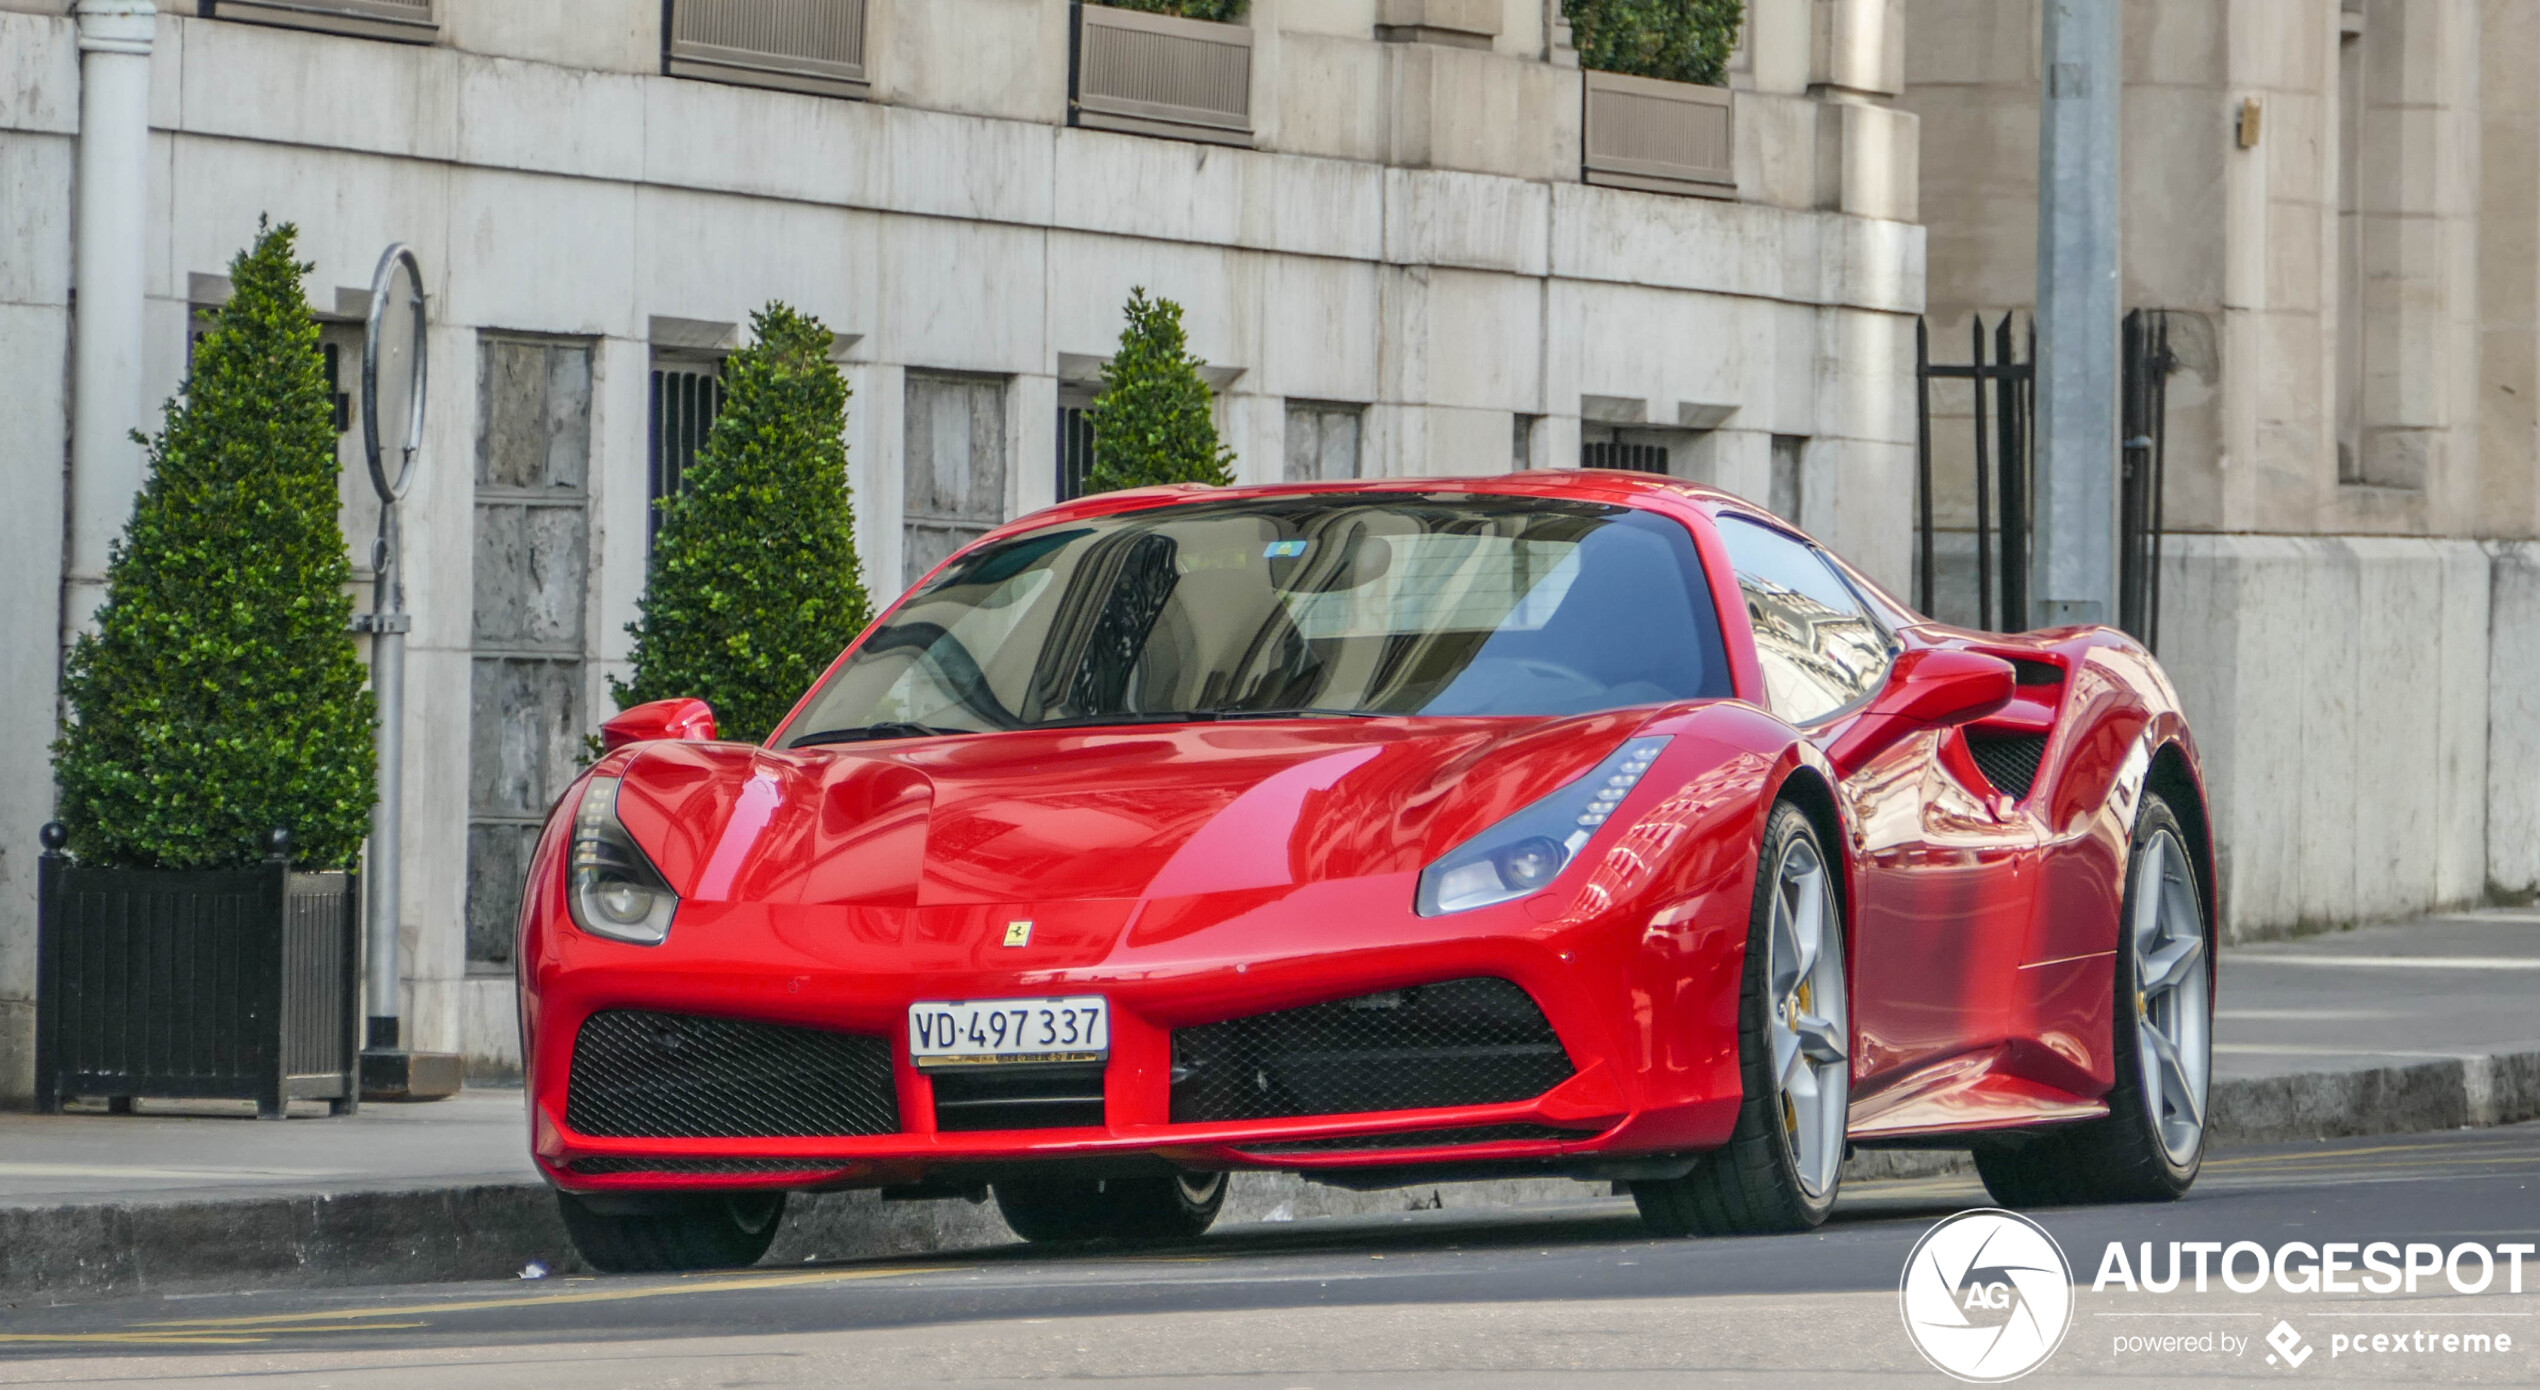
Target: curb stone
{"type": "Point", "coordinates": [59, 1254]}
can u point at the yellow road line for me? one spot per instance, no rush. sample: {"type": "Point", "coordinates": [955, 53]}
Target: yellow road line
{"type": "Point", "coordinates": [727, 1285]}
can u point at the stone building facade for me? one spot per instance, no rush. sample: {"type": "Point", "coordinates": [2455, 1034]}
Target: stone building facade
{"type": "Point", "coordinates": [1401, 246]}
{"type": "Point", "coordinates": [2337, 202]}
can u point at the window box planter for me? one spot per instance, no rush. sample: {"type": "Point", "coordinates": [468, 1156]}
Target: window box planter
{"type": "Point", "coordinates": [1152, 74]}
{"type": "Point", "coordinates": [814, 46]}
{"type": "Point", "coordinates": [1660, 137]}
{"type": "Point", "coordinates": [237, 984]}
{"type": "Point", "coordinates": [404, 21]}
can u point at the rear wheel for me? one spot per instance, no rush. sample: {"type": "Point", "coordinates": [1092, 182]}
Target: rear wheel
{"type": "Point", "coordinates": [707, 1230]}
{"type": "Point", "coordinates": [1161, 1207]}
{"type": "Point", "coordinates": [1783, 1163]}
{"type": "Point", "coordinates": [2152, 1142]}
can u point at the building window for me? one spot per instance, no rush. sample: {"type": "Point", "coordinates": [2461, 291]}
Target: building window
{"type": "Point", "coordinates": [1641, 451]}
{"type": "Point", "coordinates": [814, 46]}
{"type": "Point", "coordinates": [527, 697]}
{"type": "Point", "coordinates": [403, 21]}
{"type": "Point", "coordinates": [1075, 440]}
{"type": "Point", "coordinates": [953, 451]}
{"type": "Point", "coordinates": [1787, 486]}
{"type": "Point", "coordinates": [687, 395]}
{"type": "Point", "coordinates": [1159, 74]}
{"type": "Point", "coordinates": [1322, 441]}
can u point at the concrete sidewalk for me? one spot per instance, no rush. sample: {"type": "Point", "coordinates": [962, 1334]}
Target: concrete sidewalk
{"type": "Point", "coordinates": [2420, 1025]}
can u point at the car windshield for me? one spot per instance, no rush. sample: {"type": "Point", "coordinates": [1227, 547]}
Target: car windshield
{"type": "Point", "coordinates": [1316, 604]}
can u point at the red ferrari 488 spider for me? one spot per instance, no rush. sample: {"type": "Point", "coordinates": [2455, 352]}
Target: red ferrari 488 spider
{"type": "Point", "coordinates": [1561, 823]}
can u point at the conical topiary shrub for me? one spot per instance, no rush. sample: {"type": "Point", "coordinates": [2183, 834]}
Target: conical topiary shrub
{"type": "Point", "coordinates": [220, 695]}
{"type": "Point", "coordinates": [754, 586]}
{"type": "Point", "coordinates": [1152, 423]}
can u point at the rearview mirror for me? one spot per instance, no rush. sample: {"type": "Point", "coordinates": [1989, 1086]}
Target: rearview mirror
{"type": "Point", "coordinates": [1930, 687]}
{"type": "Point", "coordinates": [683, 718]}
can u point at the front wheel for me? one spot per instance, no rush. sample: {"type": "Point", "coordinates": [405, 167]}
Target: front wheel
{"type": "Point", "coordinates": [2152, 1142]}
{"type": "Point", "coordinates": [1784, 1161]}
{"type": "Point", "coordinates": [1173, 1206]}
{"type": "Point", "coordinates": [712, 1230]}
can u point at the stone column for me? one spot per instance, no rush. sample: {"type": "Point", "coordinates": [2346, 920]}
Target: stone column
{"type": "Point", "coordinates": [110, 211]}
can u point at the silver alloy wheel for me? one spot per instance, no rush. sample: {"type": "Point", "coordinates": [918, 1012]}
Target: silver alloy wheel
{"type": "Point", "coordinates": [2172, 996]}
{"type": "Point", "coordinates": [1811, 1018]}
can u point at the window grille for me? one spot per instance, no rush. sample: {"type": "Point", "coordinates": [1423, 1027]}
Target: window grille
{"type": "Point", "coordinates": [404, 21]}
{"type": "Point", "coordinates": [686, 398]}
{"type": "Point", "coordinates": [1075, 442]}
{"type": "Point", "coordinates": [1620, 453]}
{"type": "Point", "coordinates": [1660, 137]}
{"type": "Point", "coordinates": [1154, 74]}
{"type": "Point", "coordinates": [812, 46]}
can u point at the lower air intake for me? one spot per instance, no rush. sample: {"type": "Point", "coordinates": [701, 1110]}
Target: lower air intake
{"type": "Point", "coordinates": [1424, 1139]}
{"type": "Point", "coordinates": [1465, 1042]}
{"type": "Point", "coordinates": [599, 1167]}
{"type": "Point", "coordinates": [678, 1076]}
{"type": "Point", "coordinates": [2009, 761]}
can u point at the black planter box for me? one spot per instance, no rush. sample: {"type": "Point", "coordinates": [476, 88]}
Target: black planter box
{"type": "Point", "coordinates": [238, 984]}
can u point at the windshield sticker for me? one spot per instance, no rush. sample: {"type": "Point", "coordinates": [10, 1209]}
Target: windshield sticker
{"type": "Point", "coordinates": [1283, 550]}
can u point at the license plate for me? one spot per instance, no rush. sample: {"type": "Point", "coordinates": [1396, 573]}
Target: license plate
{"type": "Point", "coordinates": [981, 1032]}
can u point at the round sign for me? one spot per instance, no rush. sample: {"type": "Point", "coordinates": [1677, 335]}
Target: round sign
{"type": "Point", "coordinates": [393, 373]}
{"type": "Point", "coordinates": [1987, 1296]}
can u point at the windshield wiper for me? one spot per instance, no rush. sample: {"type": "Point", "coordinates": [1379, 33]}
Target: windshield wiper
{"type": "Point", "coordinates": [1304, 712]}
{"type": "Point", "coordinates": [865, 732]}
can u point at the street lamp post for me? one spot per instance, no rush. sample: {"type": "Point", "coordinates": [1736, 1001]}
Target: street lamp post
{"type": "Point", "coordinates": [393, 381]}
{"type": "Point", "coordinates": [2075, 572]}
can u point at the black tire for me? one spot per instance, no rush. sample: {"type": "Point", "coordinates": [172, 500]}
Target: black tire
{"type": "Point", "coordinates": [707, 1230]}
{"type": "Point", "coordinates": [2118, 1158]}
{"type": "Point", "coordinates": [1752, 1185]}
{"type": "Point", "coordinates": [1174, 1206]}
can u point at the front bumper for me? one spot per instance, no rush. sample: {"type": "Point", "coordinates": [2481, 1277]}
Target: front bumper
{"type": "Point", "coordinates": [1641, 1079]}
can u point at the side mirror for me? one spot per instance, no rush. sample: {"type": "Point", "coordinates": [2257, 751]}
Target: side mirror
{"type": "Point", "coordinates": [683, 718]}
{"type": "Point", "coordinates": [1930, 686]}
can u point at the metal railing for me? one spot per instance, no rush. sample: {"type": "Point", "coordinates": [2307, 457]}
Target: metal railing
{"type": "Point", "coordinates": [1660, 137]}
{"type": "Point", "coordinates": [1153, 74]}
{"type": "Point", "coordinates": [404, 21]}
{"type": "Point", "coordinates": [812, 46]}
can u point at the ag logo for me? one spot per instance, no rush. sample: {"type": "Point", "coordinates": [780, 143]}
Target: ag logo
{"type": "Point", "coordinates": [1987, 1296]}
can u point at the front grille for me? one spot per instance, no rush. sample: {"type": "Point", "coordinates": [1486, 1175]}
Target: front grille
{"type": "Point", "coordinates": [1464, 1042]}
{"type": "Point", "coordinates": [1018, 1096]}
{"type": "Point", "coordinates": [2009, 761]}
{"type": "Point", "coordinates": [677, 1076]}
{"type": "Point", "coordinates": [596, 1167]}
{"type": "Point", "coordinates": [1422, 1139]}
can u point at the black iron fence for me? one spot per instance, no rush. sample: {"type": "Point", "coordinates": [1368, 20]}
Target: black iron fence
{"type": "Point", "coordinates": [1997, 514]}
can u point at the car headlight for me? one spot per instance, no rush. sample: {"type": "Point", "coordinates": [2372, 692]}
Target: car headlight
{"type": "Point", "coordinates": [615, 891]}
{"type": "Point", "coordinates": [1530, 849]}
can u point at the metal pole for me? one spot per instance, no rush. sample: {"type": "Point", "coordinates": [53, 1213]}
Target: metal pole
{"type": "Point", "coordinates": [2075, 569]}
{"type": "Point", "coordinates": [110, 214]}
{"type": "Point", "coordinates": [388, 627]}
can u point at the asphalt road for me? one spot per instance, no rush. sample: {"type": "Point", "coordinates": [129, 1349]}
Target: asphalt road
{"type": "Point", "coordinates": [1455, 1298]}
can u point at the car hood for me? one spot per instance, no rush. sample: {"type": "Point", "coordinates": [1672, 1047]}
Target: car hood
{"type": "Point", "coordinates": [1091, 814]}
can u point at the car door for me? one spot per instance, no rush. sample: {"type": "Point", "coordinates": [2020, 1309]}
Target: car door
{"type": "Point", "coordinates": [1936, 919]}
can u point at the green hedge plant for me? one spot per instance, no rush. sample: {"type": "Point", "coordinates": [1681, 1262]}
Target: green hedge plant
{"type": "Point", "coordinates": [220, 695]}
{"type": "Point", "coordinates": [1153, 422]}
{"type": "Point", "coordinates": [1222, 11]}
{"type": "Point", "coordinates": [1674, 40]}
{"type": "Point", "coordinates": [754, 585]}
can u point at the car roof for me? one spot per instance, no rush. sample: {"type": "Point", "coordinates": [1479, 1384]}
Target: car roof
{"type": "Point", "coordinates": [1575, 484]}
